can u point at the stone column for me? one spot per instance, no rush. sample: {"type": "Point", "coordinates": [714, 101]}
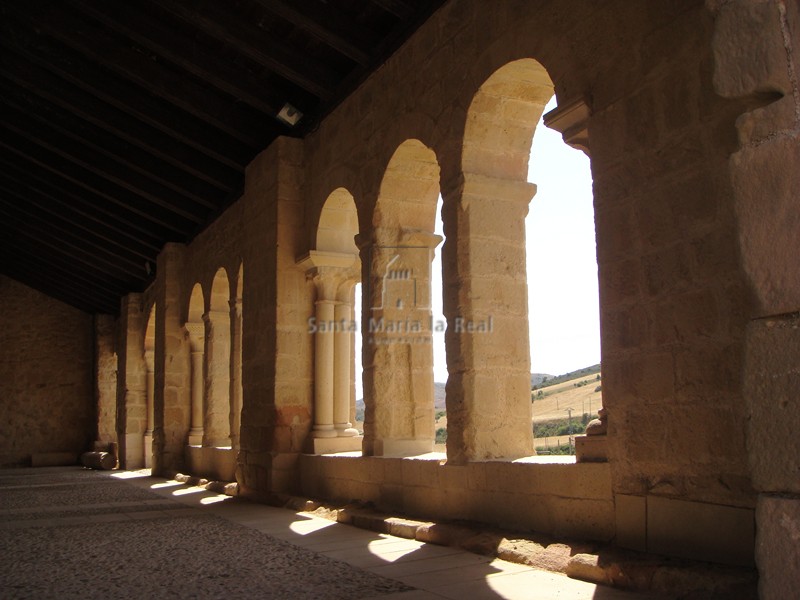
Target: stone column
{"type": "Point", "coordinates": [486, 305]}
{"type": "Point", "coordinates": [343, 310]}
{"type": "Point", "coordinates": [149, 359]}
{"type": "Point", "coordinates": [196, 335]}
{"type": "Point", "coordinates": [334, 274]}
{"type": "Point", "coordinates": [236, 372]}
{"type": "Point", "coordinates": [323, 366]}
{"type": "Point", "coordinates": [398, 365]}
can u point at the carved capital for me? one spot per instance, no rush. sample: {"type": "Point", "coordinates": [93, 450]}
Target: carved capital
{"type": "Point", "coordinates": [571, 120]}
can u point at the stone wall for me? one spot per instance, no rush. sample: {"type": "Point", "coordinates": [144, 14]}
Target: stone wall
{"type": "Point", "coordinates": [45, 375]}
{"type": "Point", "coordinates": [693, 118]}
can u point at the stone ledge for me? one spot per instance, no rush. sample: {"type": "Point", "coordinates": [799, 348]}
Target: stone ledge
{"type": "Point", "coordinates": [587, 561]}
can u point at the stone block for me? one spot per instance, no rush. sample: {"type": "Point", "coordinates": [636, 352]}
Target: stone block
{"type": "Point", "coordinates": [772, 393]}
{"type": "Point", "coordinates": [778, 546]}
{"type": "Point", "coordinates": [631, 521]}
{"type": "Point", "coordinates": [700, 531]}
{"type": "Point", "coordinates": [749, 53]}
{"type": "Point", "coordinates": [337, 444]}
{"type": "Point", "coordinates": [591, 448]}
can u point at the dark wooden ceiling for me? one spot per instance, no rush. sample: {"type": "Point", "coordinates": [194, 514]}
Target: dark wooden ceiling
{"type": "Point", "coordinates": [128, 124]}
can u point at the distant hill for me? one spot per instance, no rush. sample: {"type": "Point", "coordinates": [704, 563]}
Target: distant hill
{"type": "Point", "coordinates": [551, 380]}
{"type": "Point", "coordinates": [537, 378]}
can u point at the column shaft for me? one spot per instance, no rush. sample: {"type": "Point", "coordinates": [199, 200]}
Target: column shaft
{"type": "Point", "coordinates": [341, 375]}
{"type": "Point", "coordinates": [324, 370]}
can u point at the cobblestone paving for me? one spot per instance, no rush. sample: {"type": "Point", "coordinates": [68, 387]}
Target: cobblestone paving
{"type": "Point", "coordinates": [80, 534]}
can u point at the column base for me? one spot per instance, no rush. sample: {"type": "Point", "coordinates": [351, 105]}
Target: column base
{"type": "Point", "coordinates": [337, 444]}
{"type": "Point", "coordinates": [195, 437]}
{"type": "Point", "coordinates": [327, 432]}
{"type": "Point", "coordinates": [346, 430]}
{"type": "Point", "coordinates": [591, 448]}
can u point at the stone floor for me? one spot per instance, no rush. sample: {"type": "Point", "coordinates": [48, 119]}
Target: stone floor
{"type": "Point", "coordinates": [73, 533]}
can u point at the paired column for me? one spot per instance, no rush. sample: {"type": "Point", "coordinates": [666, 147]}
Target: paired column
{"type": "Point", "coordinates": [196, 335]}
{"type": "Point", "coordinates": [334, 275]}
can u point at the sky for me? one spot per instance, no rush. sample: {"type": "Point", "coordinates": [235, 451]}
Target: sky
{"type": "Point", "coordinates": [563, 308]}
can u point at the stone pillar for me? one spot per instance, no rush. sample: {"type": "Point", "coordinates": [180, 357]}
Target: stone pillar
{"type": "Point", "coordinates": [216, 422]}
{"type": "Point", "coordinates": [172, 402]}
{"type": "Point", "coordinates": [195, 332]}
{"type": "Point", "coordinates": [277, 351]}
{"type": "Point", "coordinates": [486, 305]}
{"type": "Point", "coordinates": [236, 372]}
{"type": "Point", "coordinates": [398, 364]}
{"type": "Point", "coordinates": [334, 275]}
{"type": "Point", "coordinates": [149, 359]}
{"type": "Point", "coordinates": [131, 384]}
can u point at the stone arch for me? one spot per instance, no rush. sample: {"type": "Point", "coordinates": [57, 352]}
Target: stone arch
{"type": "Point", "coordinates": [488, 389]}
{"type": "Point", "coordinates": [502, 118]}
{"type": "Point", "coordinates": [195, 332]}
{"type": "Point", "coordinates": [335, 269]}
{"type": "Point", "coordinates": [338, 224]}
{"type": "Point", "coordinates": [399, 416]}
{"type": "Point", "coordinates": [149, 360]}
{"type": "Point", "coordinates": [216, 421]}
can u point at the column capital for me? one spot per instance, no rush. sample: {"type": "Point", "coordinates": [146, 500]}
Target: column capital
{"type": "Point", "coordinates": [478, 186]}
{"type": "Point", "coordinates": [196, 333]}
{"type": "Point", "coordinates": [571, 120]}
{"type": "Point", "coordinates": [393, 237]}
{"type": "Point", "coordinates": [329, 270]}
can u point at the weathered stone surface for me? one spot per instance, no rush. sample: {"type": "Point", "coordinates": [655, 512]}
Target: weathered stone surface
{"type": "Point", "coordinates": [45, 375]}
{"type": "Point", "coordinates": [772, 390]}
{"type": "Point", "coordinates": [778, 546]}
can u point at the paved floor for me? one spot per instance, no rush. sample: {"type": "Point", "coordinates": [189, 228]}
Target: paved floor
{"type": "Point", "coordinates": [69, 532]}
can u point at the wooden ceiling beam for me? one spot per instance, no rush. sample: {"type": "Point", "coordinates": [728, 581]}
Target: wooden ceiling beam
{"type": "Point", "coordinates": [25, 196]}
{"type": "Point", "coordinates": [67, 287]}
{"type": "Point", "coordinates": [96, 45]}
{"type": "Point", "coordinates": [398, 8]}
{"type": "Point", "coordinates": [249, 40]}
{"type": "Point", "coordinates": [58, 266]}
{"type": "Point", "coordinates": [110, 147]}
{"type": "Point", "coordinates": [185, 52]}
{"type": "Point", "coordinates": [18, 246]}
{"type": "Point", "coordinates": [21, 208]}
{"type": "Point", "coordinates": [94, 161]}
{"type": "Point", "coordinates": [36, 81]}
{"type": "Point", "coordinates": [125, 96]}
{"type": "Point", "coordinates": [69, 247]}
{"type": "Point", "coordinates": [59, 290]}
{"type": "Point", "coordinates": [322, 23]}
{"type": "Point", "coordinates": [61, 191]}
{"type": "Point", "coordinates": [41, 156]}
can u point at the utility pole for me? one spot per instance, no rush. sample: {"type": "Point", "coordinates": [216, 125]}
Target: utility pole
{"type": "Point", "coordinates": [569, 412]}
